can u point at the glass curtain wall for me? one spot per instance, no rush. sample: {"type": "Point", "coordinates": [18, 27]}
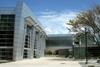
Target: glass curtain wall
{"type": "Point", "coordinates": [6, 36]}
{"type": "Point", "coordinates": [28, 37]}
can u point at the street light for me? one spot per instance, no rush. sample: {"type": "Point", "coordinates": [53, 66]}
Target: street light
{"type": "Point", "coordinates": [86, 48]}
{"type": "Point", "coordinates": [86, 30]}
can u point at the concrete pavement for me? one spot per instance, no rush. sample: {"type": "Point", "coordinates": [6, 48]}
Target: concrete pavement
{"type": "Point", "coordinates": [43, 62]}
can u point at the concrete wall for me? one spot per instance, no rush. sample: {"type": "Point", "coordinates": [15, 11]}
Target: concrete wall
{"type": "Point", "coordinates": [24, 12]}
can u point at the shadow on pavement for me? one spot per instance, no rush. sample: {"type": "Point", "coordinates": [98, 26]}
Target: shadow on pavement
{"type": "Point", "coordinates": [61, 59]}
{"type": "Point", "coordinates": [5, 61]}
{"type": "Point", "coordinates": [58, 59]}
{"type": "Point", "coordinates": [89, 64]}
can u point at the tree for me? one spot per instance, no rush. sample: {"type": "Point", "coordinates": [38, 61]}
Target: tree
{"type": "Point", "coordinates": [86, 18]}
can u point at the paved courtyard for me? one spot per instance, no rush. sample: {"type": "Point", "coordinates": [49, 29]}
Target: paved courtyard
{"type": "Point", "coordinates": [43, 62]}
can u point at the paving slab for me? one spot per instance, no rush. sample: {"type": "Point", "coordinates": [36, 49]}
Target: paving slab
{"type": "Point", "coordinates": [43, 62]}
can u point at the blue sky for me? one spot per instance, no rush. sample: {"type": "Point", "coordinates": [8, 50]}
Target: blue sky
{"type": "Point", "coordinates": [54, 14]}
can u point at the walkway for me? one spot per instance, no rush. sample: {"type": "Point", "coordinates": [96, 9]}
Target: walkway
{"type": "Point", "coordinates": [43, 62]}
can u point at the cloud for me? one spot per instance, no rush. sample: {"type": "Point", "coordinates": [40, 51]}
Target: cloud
{"type": "Point", "coordinates": [55, 22]}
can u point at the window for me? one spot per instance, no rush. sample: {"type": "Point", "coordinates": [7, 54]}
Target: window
{"type": "Point", "coordinates": [28, 36]}
{"type": "Point", "coordinates": [6, 54]}
{"type": "Point", "coordinates": [25, 54]}
{"type": "Point", "coordinates": [7, 29]}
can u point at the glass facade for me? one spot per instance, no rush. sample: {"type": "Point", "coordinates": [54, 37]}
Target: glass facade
{"type": "Point", "coordinates": [6, 35]}
{"type": "Point", "coordinates": [59, 40]}
{"type": "Point", "coordinates": [35, 44]}
{"type": "Point", "coordinates": [6, 54]}
{"type": "Point", "coordinates": [25, 54]}
{"type": "Point", "coordinates": [28, 38]}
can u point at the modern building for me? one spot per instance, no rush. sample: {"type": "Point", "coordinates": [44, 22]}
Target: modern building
{"type": "Point", "coordinates": [59, 44]}
{"type": "Point", "coordinates": [21, 34]}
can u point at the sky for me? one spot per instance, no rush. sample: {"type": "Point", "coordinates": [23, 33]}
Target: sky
{"type": "Point", "coordinates": [54, 14]}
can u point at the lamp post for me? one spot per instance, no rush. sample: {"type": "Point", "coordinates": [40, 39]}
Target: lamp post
{"type": "Point", "coordinates": [86, 47]}
{"type": "Point", "coordinates": [73, 50]}
{"type": "Point", "coordinates": [86, 30]}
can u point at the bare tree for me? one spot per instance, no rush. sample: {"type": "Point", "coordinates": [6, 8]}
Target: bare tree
{"type": "Point", "coordinates": [86, 18]}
